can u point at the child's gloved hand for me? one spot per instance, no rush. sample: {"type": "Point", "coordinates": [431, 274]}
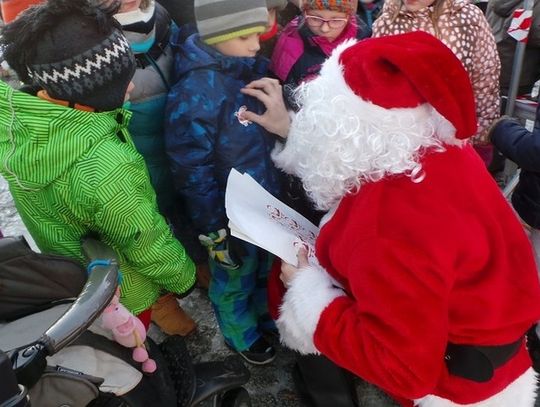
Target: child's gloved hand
{"type": "Point", "coordinates": [218, 246]}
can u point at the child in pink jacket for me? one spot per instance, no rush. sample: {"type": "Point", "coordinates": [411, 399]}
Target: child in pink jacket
{"type": "Point", "coordinates": [310, 38]}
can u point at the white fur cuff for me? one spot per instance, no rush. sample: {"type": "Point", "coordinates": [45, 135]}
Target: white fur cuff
{"type": "Point", "coordinates": [311, 291]}
{"type": "Point", "coordinates": [283, 157]}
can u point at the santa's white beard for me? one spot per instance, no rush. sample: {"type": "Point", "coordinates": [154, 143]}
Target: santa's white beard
{"type": "Point", "coordinates": [337, 141]}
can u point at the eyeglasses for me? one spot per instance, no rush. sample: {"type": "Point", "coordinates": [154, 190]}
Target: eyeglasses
{"type": "Point", "coordinates": [333, 23]}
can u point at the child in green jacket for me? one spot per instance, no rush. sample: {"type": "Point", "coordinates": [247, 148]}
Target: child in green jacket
{"type": "Point", "coordinates": [68, 156]}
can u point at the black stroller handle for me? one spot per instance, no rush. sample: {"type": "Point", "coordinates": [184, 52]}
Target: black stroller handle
{"type": "Point", "coordinates": [95, 296]}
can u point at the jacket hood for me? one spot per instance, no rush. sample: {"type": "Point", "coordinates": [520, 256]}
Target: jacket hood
{"type": "Point", "coordinates": [449, 7]}
{"type": "Point", "coordinates": [40, 140]}
{"type": "Point", "coordinates": [193, 54]}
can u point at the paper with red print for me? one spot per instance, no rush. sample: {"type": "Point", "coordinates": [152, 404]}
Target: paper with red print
{"type": "Point", "coordinates": [520, 25]}
{"type": "Point", "coordinates": [256, 216]}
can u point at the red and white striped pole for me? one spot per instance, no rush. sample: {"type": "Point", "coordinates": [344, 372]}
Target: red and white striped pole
{"type": "Point", "coordinates": [519, 30]}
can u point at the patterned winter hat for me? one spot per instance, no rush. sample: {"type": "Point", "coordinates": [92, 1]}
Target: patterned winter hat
{"type": "Point", "coordinates": [344, 6]}
{"type": "Point", "coordinates": [222, 20]}
{"type": "Point", "coordinates": [73, 50]}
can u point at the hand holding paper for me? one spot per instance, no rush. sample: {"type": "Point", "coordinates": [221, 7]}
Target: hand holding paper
{"type": "Point", "coordinates": [288, 271]}
{"type": "Point", "coordinates": [263, 220]}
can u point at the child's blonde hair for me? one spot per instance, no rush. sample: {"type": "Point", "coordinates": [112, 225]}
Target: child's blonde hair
{"type": "Point", "coordinates": [438, 6]}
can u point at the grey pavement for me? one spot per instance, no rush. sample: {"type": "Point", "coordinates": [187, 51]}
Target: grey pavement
{"type": "Point", "coordinates": [270, 385]}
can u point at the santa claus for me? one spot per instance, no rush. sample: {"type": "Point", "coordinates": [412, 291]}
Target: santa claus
{"type": "Point", "coordinates": [425, 283]}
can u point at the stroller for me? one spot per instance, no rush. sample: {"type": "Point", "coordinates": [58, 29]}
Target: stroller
{"type": "Point", "coordinates": [54, 356]}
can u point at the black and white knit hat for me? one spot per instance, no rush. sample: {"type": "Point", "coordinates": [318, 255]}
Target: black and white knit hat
{"type": "Point", "coordinates": [74, 50]}
{"type": "Point", "coordinates": [222, 20]}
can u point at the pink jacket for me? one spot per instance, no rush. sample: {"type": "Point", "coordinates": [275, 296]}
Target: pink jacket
{"type": "Point", "coordinates": [290, 46]}
{"type": "Point", "coordinates": [464, 29]}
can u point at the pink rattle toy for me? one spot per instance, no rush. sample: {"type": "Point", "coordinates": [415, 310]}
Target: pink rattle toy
{"type": "Point", "coordinates": [128, 331]}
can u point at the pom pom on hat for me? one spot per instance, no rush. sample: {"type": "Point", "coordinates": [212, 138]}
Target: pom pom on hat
{"type": "Point", "coordinates": [74, 50]}
{"type": "Point", "coordinates": [408, 70]}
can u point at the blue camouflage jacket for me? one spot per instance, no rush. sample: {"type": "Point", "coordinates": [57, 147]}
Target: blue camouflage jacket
{"type": "Point", "coordinates": [204, 139]}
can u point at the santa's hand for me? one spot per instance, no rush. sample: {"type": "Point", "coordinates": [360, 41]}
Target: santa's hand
{"type": "Point", "coordinates": [288, 271]}
{"type": "Point", "coordinates": [310, 290]}
{"type": "Point", "coordinates": [276, 118]}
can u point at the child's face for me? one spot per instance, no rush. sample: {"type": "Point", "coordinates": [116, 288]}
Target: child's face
{"type": "Point", "coordinates": [244, 46]}
{"type": "Point", "coordinates": [326, 23]}
{"type": "Point", "coordinates": [129, 5]}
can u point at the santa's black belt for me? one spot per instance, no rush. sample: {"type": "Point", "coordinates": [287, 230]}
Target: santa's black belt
{"type": "Point", "coordinates": [478, 363]}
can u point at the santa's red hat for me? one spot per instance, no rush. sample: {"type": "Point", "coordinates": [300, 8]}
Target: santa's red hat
{"type": "Point", "coordinates": [406, 71]}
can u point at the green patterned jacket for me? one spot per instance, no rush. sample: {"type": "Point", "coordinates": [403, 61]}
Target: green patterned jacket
{"type": "Point", "coordinates": [72, 173]}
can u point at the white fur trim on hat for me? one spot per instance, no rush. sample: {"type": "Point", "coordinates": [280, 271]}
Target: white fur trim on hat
{"type": "Point", "coordinates": [333, 69]}
{"type": "Point", "coordinates": [520, 393]}
{"type": "Point", "coordinates": [310, 292]}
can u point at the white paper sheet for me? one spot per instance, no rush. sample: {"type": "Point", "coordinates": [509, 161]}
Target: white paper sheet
{"type": "Point", "coordinates": [256, 216]}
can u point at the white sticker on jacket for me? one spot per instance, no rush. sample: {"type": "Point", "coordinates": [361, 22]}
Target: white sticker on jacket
{"type": "Point", "coordinates": [239, 114]}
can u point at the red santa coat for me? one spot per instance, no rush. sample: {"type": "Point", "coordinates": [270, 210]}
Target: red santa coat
{"type": "Point", "coordinates": [422, 264]}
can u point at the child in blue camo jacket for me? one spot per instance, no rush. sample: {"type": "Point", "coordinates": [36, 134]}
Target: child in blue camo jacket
{"type": "Point", "coordinates": [205, 138]}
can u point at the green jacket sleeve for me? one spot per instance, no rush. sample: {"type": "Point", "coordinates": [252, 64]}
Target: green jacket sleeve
{"type": "Point", "coordinates": [127, 218]}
